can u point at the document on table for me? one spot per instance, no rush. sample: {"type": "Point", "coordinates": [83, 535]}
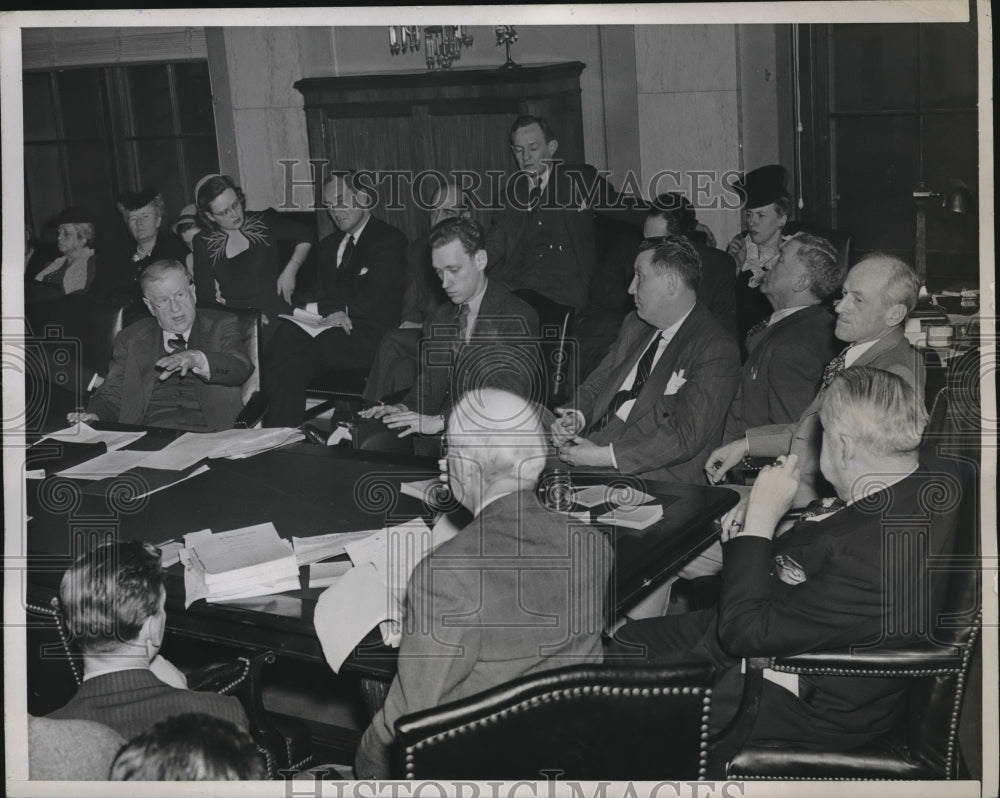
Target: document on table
{"type": "Point", "coordinates": [309, 322]}
{"type": "Point", "coordinates": [191, 447]}
{"type": "Point", "coordinates": [106, 465]}
{"type": "Point", "coordinates": [618, 495]}
{"type": "Point", "coordinates": [320, 547]}
{"type": "Point", "coordinates": [346, 611]}
{"type": "Point", "coordinates": [84, 433]}
{"type": "Point", "coordinates": [633, 517]}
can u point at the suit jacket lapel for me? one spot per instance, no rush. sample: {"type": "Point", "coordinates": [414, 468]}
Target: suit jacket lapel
{"type": "Point", "coordinates": [145, 351]}
{"type": "Point", "coordinates": [664, 368]}
{"type": "Point", "coordinates": [641, 334]}
{"type": "Point", "coordinates": [887, 341]}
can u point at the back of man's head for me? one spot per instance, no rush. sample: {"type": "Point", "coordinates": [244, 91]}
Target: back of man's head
{"type": "Point", "coordinates": [822, 264]}
{"type": "Point", "coordinates": [877, 409]}
{"type": "Point", "coordinates": [108, 594]}
{"type": "Point", "coordinates": [675, 253]}
{"type": "Point", "coordinates": [502, 433]}
{"type": "Point", "coordinates": [470, 233]}
{"type": "Point", "coordinates": [190, 747]}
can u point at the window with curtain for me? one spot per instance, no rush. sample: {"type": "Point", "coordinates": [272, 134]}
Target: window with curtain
{"type": "Point", "coordinates": [92, 132]}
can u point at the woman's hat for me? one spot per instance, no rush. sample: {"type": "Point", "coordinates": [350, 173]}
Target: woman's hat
{"type": "Point", "coordinates": [75, 215]}
{"type": "Point", "coordinates": [189, 215]}
{"type": "Point", "coordinates": [134, 200]}
{"type": "Point", "coordinates": [763, 186]}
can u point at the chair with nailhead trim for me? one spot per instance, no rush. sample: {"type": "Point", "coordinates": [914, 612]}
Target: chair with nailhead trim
{"type": "Point", "coordinates": [586, 722]}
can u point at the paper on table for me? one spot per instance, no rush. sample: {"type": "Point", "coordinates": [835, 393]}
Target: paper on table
{"type": "Point", "coordinates": [166, 485]}
{"type": "Point", "coordinates": [255, 553]}
{"type": "Point", "coordinates": [319, 547]}
{"type": "Point", "coordinates": [633, 517]}
{"type": "Point", "coordinates": [84, 433]}
{"type": "Point", "coordinates": [346, 611]}
{"type": "Point", "coordinates": [191, 447]}
{"type": "Point", "coordinates": [311, 323]}
{"type": "Point", "coordinates": [432, 492]}
{"type": "Point", "coordinates": [170, 553]}
{"type": "Point", "coordinates": [105, 465]}
{"type": "Point", "coordinates": [620, 495]}
{"type": "Point", "coordinates": [324, 574]}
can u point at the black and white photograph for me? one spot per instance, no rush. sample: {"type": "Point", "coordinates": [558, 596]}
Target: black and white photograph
{"type": "Point", "coordinates": [564, 400]}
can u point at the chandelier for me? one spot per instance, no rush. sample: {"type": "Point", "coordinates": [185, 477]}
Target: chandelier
{"type": "Point", "coordinates": [442, 43]}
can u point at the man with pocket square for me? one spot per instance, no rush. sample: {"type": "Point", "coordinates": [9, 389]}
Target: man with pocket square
{"type": "Point", "coordinates": [358, 296]}
{"type": "Point", "coordinates": [656, 404]}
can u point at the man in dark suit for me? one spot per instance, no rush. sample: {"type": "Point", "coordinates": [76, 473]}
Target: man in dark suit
{"type": "Point", "coordinates": [878, 293]}
{"type": "Point", "coordinates": [484, 337]}
{"type": "Point", "coordinates": [395, 366]}
{"type": "Point", "coordinates": [671, 214]}
{"type": "Point", "coordinates": [541, 245]}
{"type": "Point", "coordinates": [517, 591]}
{"type": "Point", "coordinates": [657, 402]}
{"type": "Point", "coordinates": [112, 599]}
{"type": "Point", "coordinates": [362, 276]}
{"type": "Point", "coordinates": [789, 351]}
{"type": "Point", "coordinates": [842, 577]}
{"type": "Point", "coordinates": [182, 368]}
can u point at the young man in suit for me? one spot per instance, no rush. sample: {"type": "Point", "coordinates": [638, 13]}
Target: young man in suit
{"type": "Point", "coordinates": [671, 214]}
{"type": "Point", "coordinates": [656, 404]}
{"type": "Point", "coordinates": [112, 600]}
{"type": "Point", "coordinates": [484, 337]}
{"type": "Point", "coordinates": [182, 368]}
{"type": "Point", "coordinates": [362, 276]}
{"type": "Point", "coordinates": [541, 244]}
{"type": "Point", "coordinates": [846, 575]}
{"type": "Point", "coordinates": [519, 590]}
{"type": "Point", "coordinates": [878, 294]}
{"type": "Point", "coordinates": [790, 349]}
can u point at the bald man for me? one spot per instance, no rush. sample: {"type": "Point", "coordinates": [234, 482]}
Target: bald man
{"type": "Point", "coordinates": [517, 591]}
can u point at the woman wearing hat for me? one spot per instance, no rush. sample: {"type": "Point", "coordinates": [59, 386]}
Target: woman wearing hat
{"type": "Point", "coordinates": [73, 271]}
{"type": "Point", "coordinates": [143, 213]}
{"type": "Point", "coordinates": [766, 210]}
{"type": "Point", "coordinates": [236, 258]}
{"type": "Point", "coordinates": [186, 228]}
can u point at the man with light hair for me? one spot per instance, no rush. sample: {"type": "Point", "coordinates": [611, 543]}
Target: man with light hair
{"type": "Point", "coordinates": [113, 600]}
{"type": "Point", "coordinates": [843, 576]}
{"type": "Point", "coordinates": [519, 590]}
{"type": "Point", "coordinates": [878, 294]}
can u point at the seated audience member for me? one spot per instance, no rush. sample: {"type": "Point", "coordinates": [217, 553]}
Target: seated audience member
{"type": "Point", "coordinates": [767, 205]}
{"type": "Point", "coordinates": [657, 402]}
{"type": "Point", "coordinates": [75, 269]}
{"type": "Point", "coordinates": [113, 604]}
{"type": "Point", "coordinates": [671, 214]}
{"type": "Point", "coordinates": [143, 213]}
{"type": "Point", "coordinates": [477, 340]}
{"type": "Point", "coordinates": [395, 366]}
{"type": "Point", "coordinates": [790, 349]}
{"type": "Point", "coordinates": [189, 747]}
{"type": "Point", "coordinates": [181, 369]}
{"type": "Point", "coordinates": [236, 257]}
{"type": "Point", "coordinates": [70, 750]}
{"type": "Point", "coordinates": [541, 244]}
{"type": "Point", "coordinates": [517, 591]}
{"type": "Point", "coordinates": [362, 273]}
{"type": "Point", "coordinates": [186, 228]}
{"type": "Point", "coordinates": [833, 581]}
{"type": "Point", "coordinates": [878, 293]}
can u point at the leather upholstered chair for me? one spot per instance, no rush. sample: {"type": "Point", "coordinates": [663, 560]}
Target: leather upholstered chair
{"type": "Point", "coordinates": [587, 722]}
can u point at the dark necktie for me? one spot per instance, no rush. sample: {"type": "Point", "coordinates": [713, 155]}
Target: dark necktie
{"type": "Point", "coordinates": [177, 344]}
{"type": "Point", "coordinates": [463, 323]}
{"type": "Point", "coordinates": [823, 507]}
{"type": "Point", "coordinates": [535, 196]}
{"type": "Point", "coordinates": [834, 367]}
{"type": "Point", "coordinates": [345, 260]}
{"type": "Point", "coordinates": [759, 327]}
{"type": "Point", "coordinates": [641, 375]}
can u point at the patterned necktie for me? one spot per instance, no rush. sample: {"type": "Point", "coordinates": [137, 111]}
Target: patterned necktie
{"type": "Point", "coordinates": [177, 344]}
{"type": "Point", "coordinates": [641, 375]}
{"type": "Point", "coordinates": [825, 506]}
{"type": "Point", "coordinates": [759, 327]}
{"type": "Point", "coordinates": [345, 260]}
{"type": "Point", "coordinates": [463, 323]}
{"type": "Point", "coordinates": [834, 367]}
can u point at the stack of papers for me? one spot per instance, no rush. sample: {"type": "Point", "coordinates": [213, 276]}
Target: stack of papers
{"type": "Point", "coordinates": [311, 323]}
{"type": "Point", "coordinates": [84, 433]}
{"type": "Point", "coordinates": [191, 447]}
{"type": "Point", "coordinates": [322, 547]}
{"type": "Point", "coordinates": [240, 563]}
{"type": "Point", "coordinates": [633, 517]}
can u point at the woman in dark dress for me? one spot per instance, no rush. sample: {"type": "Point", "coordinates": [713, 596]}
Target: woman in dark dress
{"type": "Point", "coordinates": [766, 211]}
{"type": "Point", "coordinates": [236, 259]}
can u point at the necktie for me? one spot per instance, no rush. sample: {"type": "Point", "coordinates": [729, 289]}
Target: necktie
{"type": "Point", "coordinates": [177, 344]}
{"type": "Point", "coordinates": [535, 196]}
{"type": "Point", "coordinates": [825, 506]}
{"type": "Point", "coordinates": [463, 322]}
{"type": "Point", "coordinates": [759, 327]}
{"type": "Point", "coordinates": [345, 259]}
{"type": "Point", "coordinates": [834, 367]}
{"type": "Point", "coordinates": [641, 375]}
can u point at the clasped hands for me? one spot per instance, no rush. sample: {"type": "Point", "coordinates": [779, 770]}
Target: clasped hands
{"type": "Point", "coordinates": [401, 418]}
{"type": "Point", "coordinates": [574, 449]}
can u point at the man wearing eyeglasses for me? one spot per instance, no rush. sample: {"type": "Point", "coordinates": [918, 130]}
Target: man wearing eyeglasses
{"type": "Point", "coordinates": [181, 369]}
{"type": "Point", "coordinates": [541, 245]}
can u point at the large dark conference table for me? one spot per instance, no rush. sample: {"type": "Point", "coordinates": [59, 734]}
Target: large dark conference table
{"type": "Point", "coordinates": [306, 489]}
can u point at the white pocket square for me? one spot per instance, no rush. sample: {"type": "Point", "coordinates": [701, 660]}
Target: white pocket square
{"type": "Point", "coordinates": [675, 383]}
{"type": "Point", "coordinates": [363, 272]}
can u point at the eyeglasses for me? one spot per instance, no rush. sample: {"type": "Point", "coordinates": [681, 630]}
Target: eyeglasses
{"type": "Point", "coordinates": [231, 212]}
